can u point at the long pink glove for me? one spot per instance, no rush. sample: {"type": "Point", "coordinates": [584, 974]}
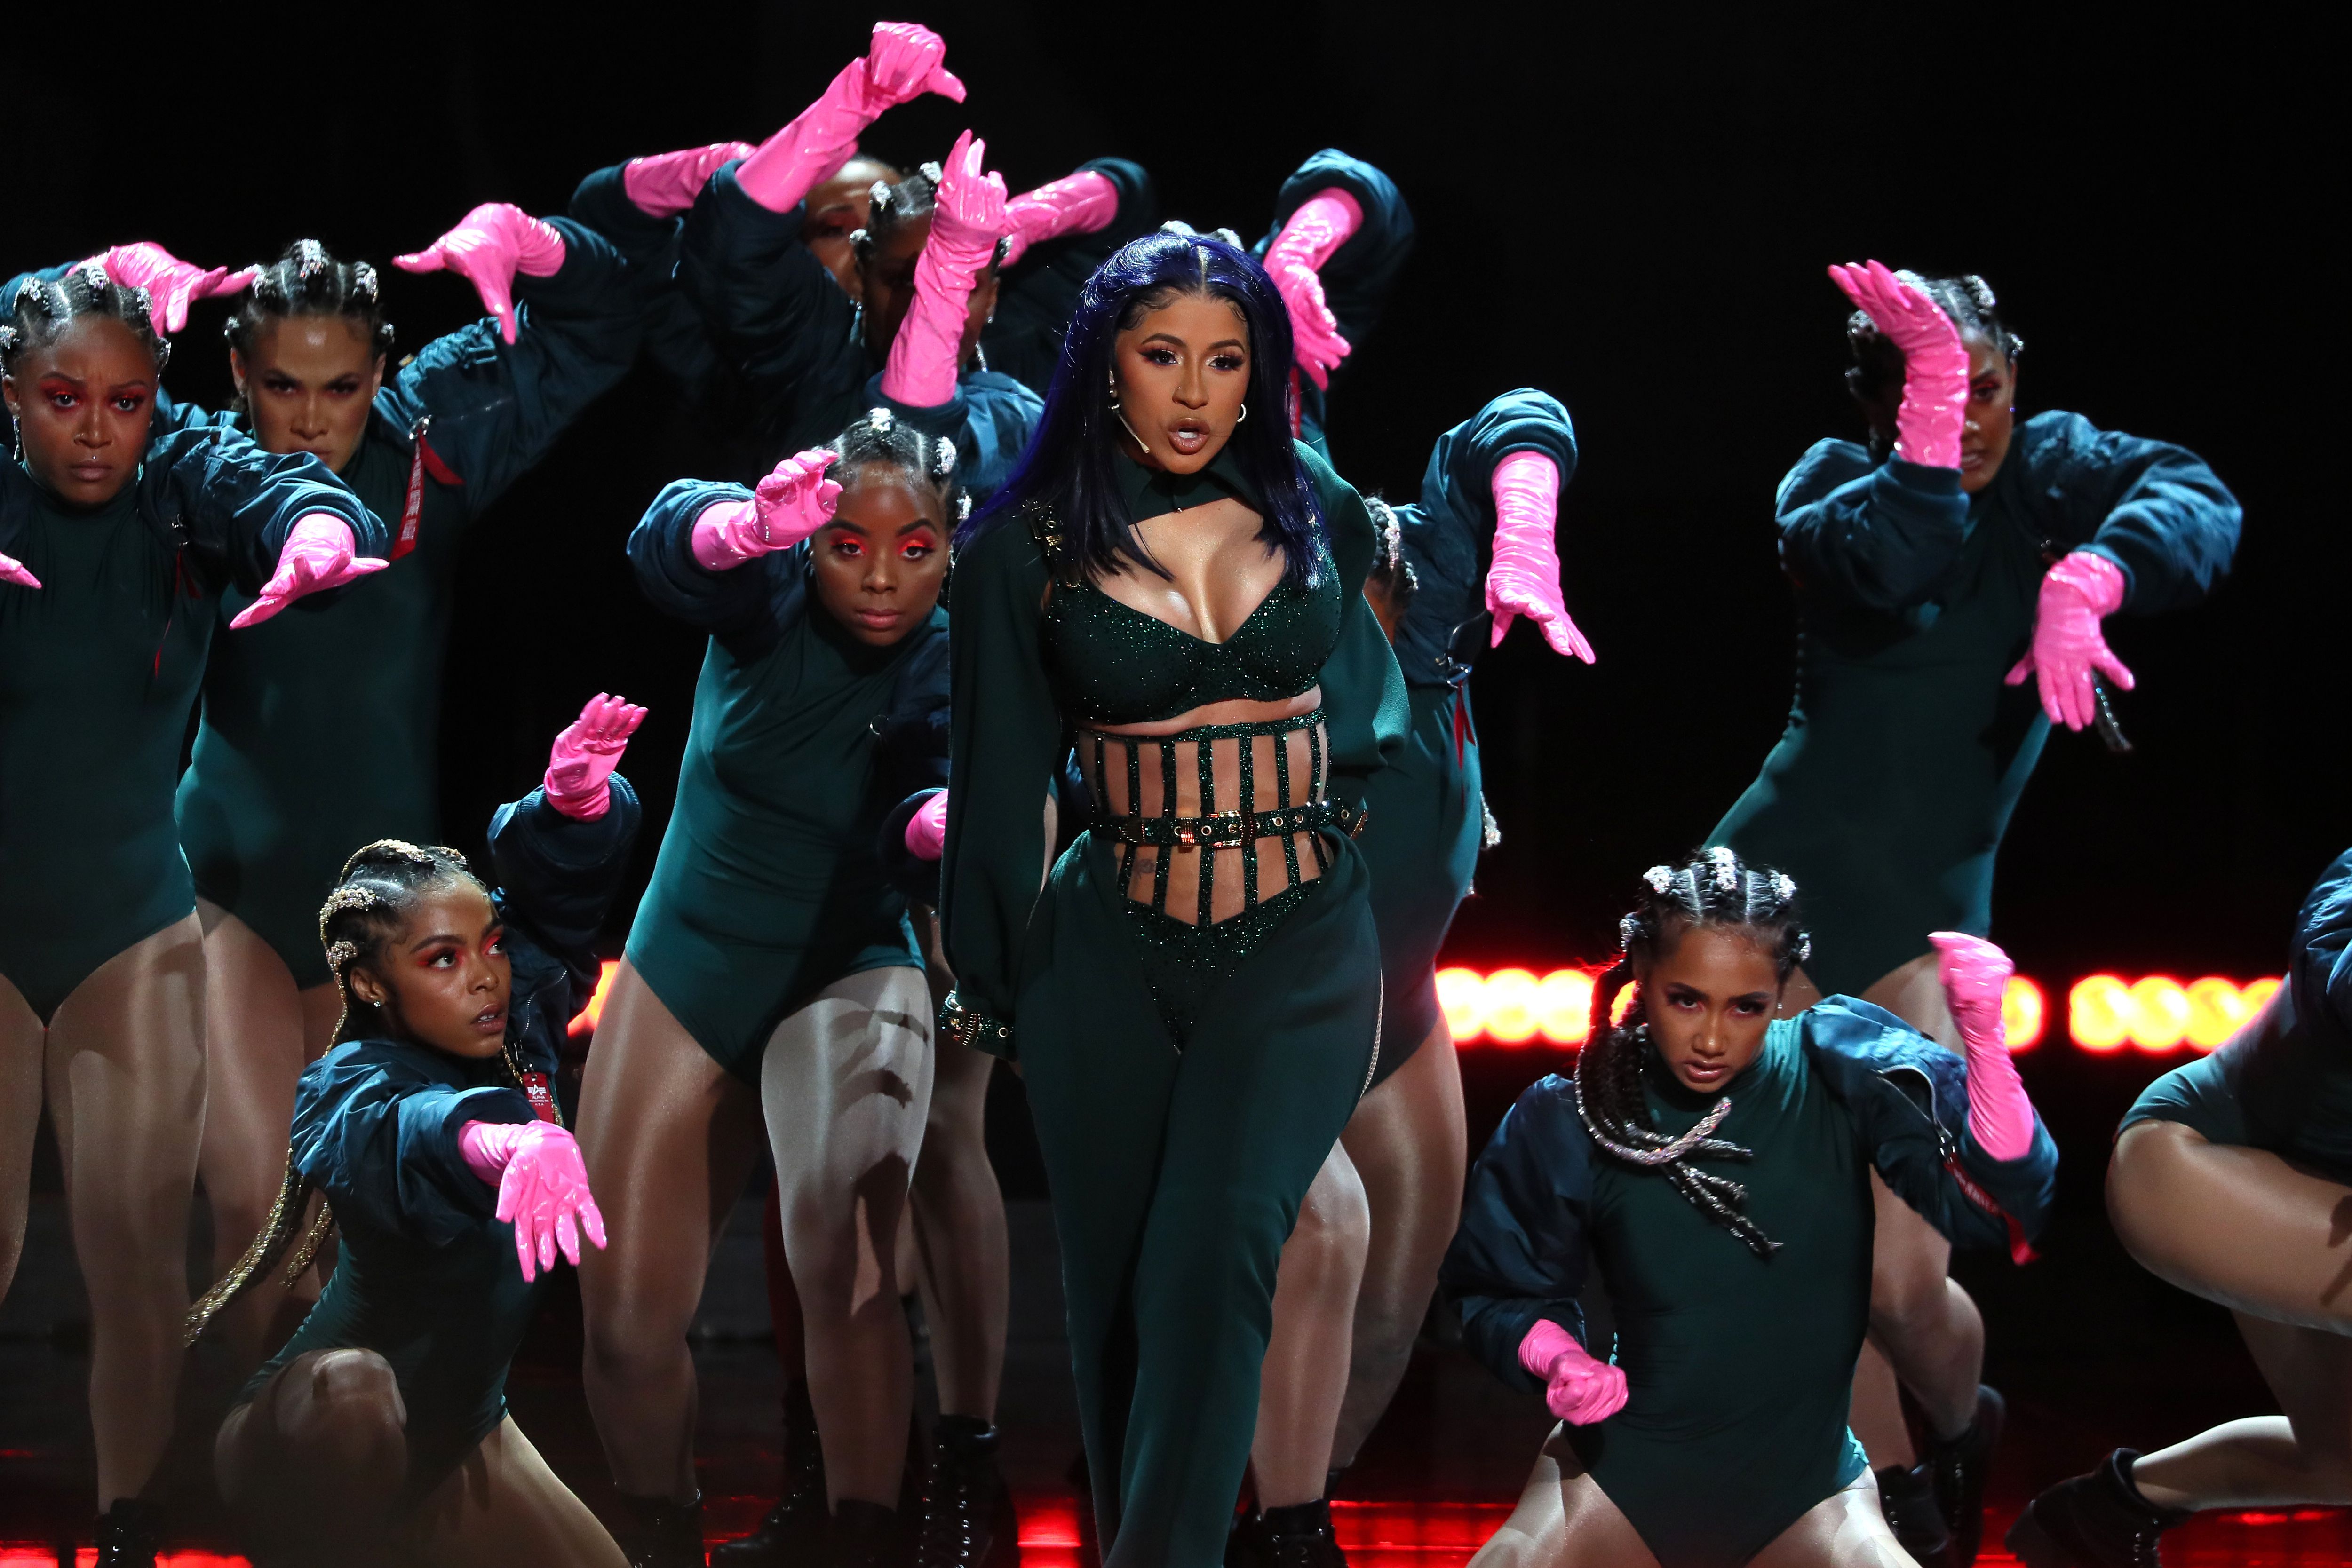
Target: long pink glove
{"type": "Point", "coordinates": [966, 224]}
{"type": "Point", "coordinates": [585, 754]}
{"type": "Point", "coordinates": [790, 504]}
{"type": "Point", "coordinates": [489, 247]}
{"type": "Point", "coordinates": [542, 1187]}
{"type": "Point", "coordinates": [664, 184]}
{"type": "Point", "coordinates": [1294, 261]}
{"type": "Point", "coordinates": [1935, 365]}
{"type": "Point", "coordinates": [1580, 1390]}
{"type": "Point", "coordinates": [1524, 577]}
{"type": "Point", "coordinates": [172, 285]}
{"type": "Point", "coordinates": [927, 830]}
{"type": "Point", "coordinates": [12, 570]}
{"type": "Point", "coordinates": [905, 61]}
{"type": "Point", "coordinates": [1975, 975]}
{"type": "Point", "coordinates": [318, 556]}
{"type": "Point", "coordinates": [2069, 651]}
{"type": "Point", "coordinates": [1077, 203]}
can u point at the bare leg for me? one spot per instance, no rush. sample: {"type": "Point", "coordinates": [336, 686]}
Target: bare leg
{"type": "Point", "coordinates": [315, 1463]}
{"type": "Point", "coordinates": [503, 1506]}
{"type": "Point", "coordinates": [125, 1068]}
{"type": "Point", "coordinates": [21, 1036]}
{"type": "Point", "coordinates": [965, 1259]}
{"type": "Point", "coordinates": [259, 1033]}
{"type": "Point", "coordinates": [846, 1085]}
{"type": "Point", "coordinates": [670, 1139]}
{"type": "Point", "coordinates": [1411, 1146]}
{"type": "Point", "coordinates": [1307, 1356]}
{"type": "Point", "coordinates": [2243, 1228]}
{"type": "Point", "coordinates": [1564, 1521]}
{"type": "Point", "coordinates": [1846, 1529]}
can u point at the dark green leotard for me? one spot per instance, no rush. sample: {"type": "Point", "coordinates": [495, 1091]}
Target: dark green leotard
{"type": "Point", "coordinates": [1888, 794]}
{"type": "Point", "coordinates": [98, 668]}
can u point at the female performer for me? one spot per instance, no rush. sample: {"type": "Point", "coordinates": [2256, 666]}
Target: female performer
{"type": "Point", "coordinates": [119, 535]}
{"type": "Point", "coordinates": [1924, 565]}
{"type": "Point", "coordinates": [2230, 1179]}
{"type": "Point", "coordinates": [1195, 998]}
{"type": "Point", "coordinates": [1716, 1435]}
{"type": "Point", "coordinates": [771, 966]}
{"type": "Point", "coordinates": [380, 1433]}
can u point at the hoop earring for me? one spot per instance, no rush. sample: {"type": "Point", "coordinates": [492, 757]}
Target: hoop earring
{"type": "Point", "coordinates": [1242, 415]}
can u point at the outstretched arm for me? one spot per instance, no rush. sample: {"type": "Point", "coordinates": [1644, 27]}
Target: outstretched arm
{"type": "Point", "coordinates": [542, 1187]}
{"type": "Point", "coordinates": [1524, 577]}
{"type": "Point", "coordinates": [904, 61]}
{"type": "Point", "coordinates": [172, 285]}
{"type": "Point", "coordinates": [1322, 224]}
{"type": "Point", "coordinates": [580, 763]}
{"type": "Point", "coordinates": [488, 247]}
{"type": "Point", "coordinates": [1083, 202]}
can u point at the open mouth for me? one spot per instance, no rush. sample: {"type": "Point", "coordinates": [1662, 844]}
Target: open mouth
{"type": "Point", "coordinates": [490, 1019]}
{"type": "Point", "coordinates": [1189, 437]}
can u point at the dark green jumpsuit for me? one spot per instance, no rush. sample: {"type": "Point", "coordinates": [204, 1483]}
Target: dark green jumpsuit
{"type": "Point", "coordinates": [1187, 1081]}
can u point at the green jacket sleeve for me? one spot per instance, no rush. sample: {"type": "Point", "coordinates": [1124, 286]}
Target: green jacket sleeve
{"type": "Point", "coordinates": [1004, 738]}
{"type": "Point", "coordinates": [1364, 704]}
{"type": "Point", "coordinates": [232, 503]}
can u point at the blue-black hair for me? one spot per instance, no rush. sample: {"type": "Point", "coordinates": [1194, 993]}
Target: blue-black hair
{"type": "Point", "coordinates": [1071, 464]}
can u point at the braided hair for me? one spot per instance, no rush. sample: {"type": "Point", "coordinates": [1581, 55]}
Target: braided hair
{"type": "Point", "coordinates": [928, 463]}
{"type": "Point", "coordinates": [1711, 888]}
{"type": "Point", "coordinates": [1390, 572]}
{"type": "Point", "coordinates": [372, 901]}
{"type": "Point", "coordinates": [43, 312]}
{"type": "Point", "coordinates": [309, 281]}
{"type": "Point", "coordinates": [912, 199]}
{"type": "Point", "coordinates": [1876, 374]}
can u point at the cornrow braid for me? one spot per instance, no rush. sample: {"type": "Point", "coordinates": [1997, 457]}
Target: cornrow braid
{"type": "Point", "coordinates": [309, 281]}
{"type": "Point", "coordinates": [927, 463]}
{"type": "Point", "coordinates": [1391, 571]}
{"type": "Point", "coordinates": [1711, 888]}
{"type": "Point", "coordinates": [44, 310]}
{"type": "Point", "coordinates": [1876, 374]}
{"type": "Point", "coordinates": [893, 206]}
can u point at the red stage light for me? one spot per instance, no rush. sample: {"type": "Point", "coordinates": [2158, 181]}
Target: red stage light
{"type": "Point", "coordinates": [587, 1022]}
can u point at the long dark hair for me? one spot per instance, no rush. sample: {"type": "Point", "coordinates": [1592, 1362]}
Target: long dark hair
{"type": "Point", "coordinates": [1709, 888]}
{"type": "Point", "coordinates": [1071, 464]}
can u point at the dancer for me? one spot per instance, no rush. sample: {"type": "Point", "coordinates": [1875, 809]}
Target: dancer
{"type": "Point", "coordinates": [2229, 1179]}
{"type": "Point", "coordinates": [1194, 998]}
{"type": "Point", "coordinates": [300, 754]}
{"type": "Point", "coordinates": [379, 1432]}
{"type": "Point", "coordinates": [1716, 1432]}
{"type": "Point", "coordinates": [1056, 237]}
{"type": "Point", "coordinates": [1924, 566]}
{"type": "Point", "coordinates": [771, 966]}
{"type": "Point", "coordinates": [119, 535]}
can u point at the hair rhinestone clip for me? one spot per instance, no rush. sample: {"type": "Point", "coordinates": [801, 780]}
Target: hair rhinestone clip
{"type": "Point", "coordinates": [1659, 877]}
{"type": "Point", "coordinates": [943, 458]}
{"type": "Point", "coordinates": [1784, 886]}
{"type": "Point", "coordinates": [342, 953]}
{"type": "Point", "coordinates": [364, 282]}
{"type": "Point", "coordinates": [1627, 929]}
{"type": "Point", "coordinates": [882, 419]}
{"type": "Point", "coordinates": [930, 171]}
{"type": "Point", "coordinates": [1727, 867]}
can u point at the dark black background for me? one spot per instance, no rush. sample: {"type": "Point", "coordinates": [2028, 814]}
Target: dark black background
{"type": "Point", "coordinates": [1632, 214]}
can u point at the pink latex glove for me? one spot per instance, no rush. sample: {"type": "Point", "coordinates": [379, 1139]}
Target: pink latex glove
{"type": "Point", "coordinates": [664, 184]}
{"type": "Point", "coordinates": [1580, 1390]}
{"type": "Point", "coordinates": [927, 830]}
{"type": "Point", "coordinates": [542, 1187]}
{"type": "Point", "coordinates": [1935, 365]}
{"type": "Point", "coordinates": [2069, 652]}
{"type": "Point", "coordinates": [905, 61]}
{"type": "Point", "coordinates": [489, 247]}
{"type": "Point", "coordinates": [318, 556]}
{"type": "Point", "coordinates": [12, 570]}
{"type": "Point", "coordinates": [1318, 229]}
{"type": "Point", "coordinates": [966, 224]}
{"type": "Point", "coordinates": [1077, 203]}
{"type": "Point", "coordinates": [172, 285]}
{"type": "Point", "coordinates": [585, 754]}
{"type": "Point", "coordinates": [1976, 976]}
{"type": "Point", "coordinates": [789, 505]}
{"type": "Point", "coordinates": [1524, 577]}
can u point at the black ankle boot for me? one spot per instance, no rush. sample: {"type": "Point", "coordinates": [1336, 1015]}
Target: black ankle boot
{"type": "Point", "coordinates": [1298, 1536]}
{"type": "Point", "coordinates": [792, 1529]}
{"type": "Point", "coordinates": [1908, 1496]}
{"type": "Point", "coordinates": [656, 1533]}
{"type": "Point", "coordinates": [865, 1535]}
{"type": "Point", "coordinates": [130, 1534]}
{"type": "Point", "coordinates": [2098, 1520]}
{"type": "Point", "coordinates": [967, 1518]}
{"type": "Point", "coordinates": [1959, 1469]}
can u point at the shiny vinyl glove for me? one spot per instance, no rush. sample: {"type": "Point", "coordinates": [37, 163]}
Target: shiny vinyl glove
{"type": "Point", "coordinates": [489, 247]}
{"type": "Point", "coordinates": [966, 224]}
{"type": "Point", "coordinates": [1524, 577]}
{"type": "Point", "coordinates": [172, 285]}
{"type": "Point", "coordinates": [905, 61]}
{"type": "Point", "coordinates": [1935, 365]}
{"type": "Point", "coordinates": [1295, 260]}
{"type": "Point", "coordinates": [1580, 1390]}
{"type": "Point", "coordinates": [585, 754]}
{"type": "Point", "coordinates": [664, 184]}
{"type": "Point", "coordinates": [2070, 652]}
{"type": "Point", "coordinates": [1077, 203]}
{"type": "Point", "coordinates": [542, 1188]}
{"type": "Point", "coordinates": [1976, 976]}
{"type": "Point", "coordinates": [12, 571]}
{"type": "Point", "coordinates": [318, 556]}
{"type": "Point", "coordinates": [789, 505]}
{"type": "Point", "coordinates": [927, 830]}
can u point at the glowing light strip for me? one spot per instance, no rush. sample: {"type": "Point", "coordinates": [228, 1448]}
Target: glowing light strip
{"type": "Point", "coordinates": [587, 1022]}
